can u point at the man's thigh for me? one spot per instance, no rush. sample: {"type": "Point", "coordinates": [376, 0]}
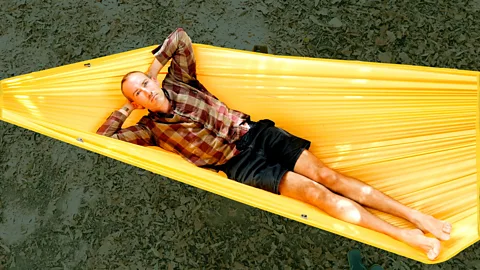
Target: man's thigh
{"type": "Point", "coordinates": [253, 168]}
{"type": "Point", "coordinates": [301, 188]}
{"type": "Point", "coordinates": [282, 147]}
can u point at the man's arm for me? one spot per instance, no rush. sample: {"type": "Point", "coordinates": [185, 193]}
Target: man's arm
{"type": "Point", "coordinates": [137, 134]}
{"type": "Point", "coordinates": [178, 47]}
{"type": "Point", "coordinates": [154, 69]}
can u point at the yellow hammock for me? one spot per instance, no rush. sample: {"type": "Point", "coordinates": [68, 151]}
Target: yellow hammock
{"type": "Point", "coordinates": [409, 131]}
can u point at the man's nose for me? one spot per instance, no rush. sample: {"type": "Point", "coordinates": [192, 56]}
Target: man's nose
{"type": "Point", "coordinates": [147, 91]}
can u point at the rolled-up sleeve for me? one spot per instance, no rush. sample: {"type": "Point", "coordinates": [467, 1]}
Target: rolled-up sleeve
{"type": "Point", "coordinates": [178, 47]}
{"type": "Point", "coordinates": [137, 134]}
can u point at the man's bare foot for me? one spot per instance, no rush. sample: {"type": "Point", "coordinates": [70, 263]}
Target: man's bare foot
{"type": "Point", "coordinates": [438, 228]}
{"type": "Point", "coordinates": [416, 238]}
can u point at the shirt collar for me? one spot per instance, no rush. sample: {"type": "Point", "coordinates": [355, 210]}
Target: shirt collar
{"type": "Point", "coordinates": [172, 102]}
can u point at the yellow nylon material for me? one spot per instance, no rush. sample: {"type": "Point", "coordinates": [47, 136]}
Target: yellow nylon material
{"type": "Point", "coordinates": [410, 132]}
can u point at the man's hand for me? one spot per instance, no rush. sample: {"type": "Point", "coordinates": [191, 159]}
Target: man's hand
{"type": "Point", "coordinates": [134, 106]}
{"type": "Point", "coordinates": [128, 108]}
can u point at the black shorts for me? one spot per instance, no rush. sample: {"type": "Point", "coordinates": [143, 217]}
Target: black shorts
{"type": "Point", "coordinates": [267, 153]}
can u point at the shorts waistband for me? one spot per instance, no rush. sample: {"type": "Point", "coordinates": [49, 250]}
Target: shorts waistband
{"type": "Point", "coordinates": [255, 127]}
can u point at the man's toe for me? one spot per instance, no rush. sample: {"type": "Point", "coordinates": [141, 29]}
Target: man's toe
{"type": "Point", "coordinates": [447, 227]}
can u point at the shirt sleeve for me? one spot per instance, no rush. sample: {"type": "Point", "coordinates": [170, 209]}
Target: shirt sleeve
{"type": "Point", "coordinates": [178, 47]}
{"type": "Point", "coordinates": [137, 134]}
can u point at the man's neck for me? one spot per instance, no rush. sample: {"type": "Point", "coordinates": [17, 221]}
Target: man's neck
{"type": "Point", "coordinates": [165, 107]}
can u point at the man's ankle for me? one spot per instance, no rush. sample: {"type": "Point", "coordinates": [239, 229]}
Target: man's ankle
{"type": "Point", "coordinates": [415, 216]}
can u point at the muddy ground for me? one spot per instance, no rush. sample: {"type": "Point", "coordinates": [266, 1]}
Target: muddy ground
{"type": "Point", "coordinates": [62, 207]}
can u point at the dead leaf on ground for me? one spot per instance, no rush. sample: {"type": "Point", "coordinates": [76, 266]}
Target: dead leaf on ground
{"type": "Point", "coordinates": [385, 57]}
{"type": "Point", "coordinates": [335, 22]}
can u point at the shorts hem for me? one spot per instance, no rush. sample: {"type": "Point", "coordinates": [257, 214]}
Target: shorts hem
{"type": "Point", "coordinates": [276, 183]}
{"type": "Point", "coordinates": [300, 150]}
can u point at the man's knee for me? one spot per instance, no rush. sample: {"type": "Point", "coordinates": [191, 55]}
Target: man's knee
{"type": "Point", "coordinates": [316, 193]}
{"type": "Point", "coordinates": [327, 176]}
{"type": "Point", "coordinates": [322, 197]}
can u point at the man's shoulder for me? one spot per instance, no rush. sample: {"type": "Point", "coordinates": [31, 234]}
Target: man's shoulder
{"type": "Point", "coordinates": [146, 119]}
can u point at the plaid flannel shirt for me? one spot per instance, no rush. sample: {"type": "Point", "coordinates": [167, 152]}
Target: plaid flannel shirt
{"type": "Point", "coordinates": [199, 127]}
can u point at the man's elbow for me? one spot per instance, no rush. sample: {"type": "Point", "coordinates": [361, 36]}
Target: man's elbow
{"type": "Point", "coordinates": [182, 34]}
{"type": "Point", "coordinates": [104, 133]}
{"type": "Point", "coordinates": [101, 131]}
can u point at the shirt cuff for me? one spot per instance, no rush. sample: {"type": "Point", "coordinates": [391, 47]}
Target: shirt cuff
{"type": "Point", "coordinates": [118, 115]}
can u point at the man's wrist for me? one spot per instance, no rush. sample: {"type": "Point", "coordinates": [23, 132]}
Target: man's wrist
{"type": "Point", "coordinates": [153, 75]}
{"type": "Point", "coordinates": [122, 111]}
{"type": "Point", "coordinates": [126, 110]}
{"type": "Point", "coordinates": [154, 68]}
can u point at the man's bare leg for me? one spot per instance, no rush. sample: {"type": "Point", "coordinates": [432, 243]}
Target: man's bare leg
{"type": "Point", "coordinates": [311, 167]}
{"type": "Point", "coordinates": [301, 188]}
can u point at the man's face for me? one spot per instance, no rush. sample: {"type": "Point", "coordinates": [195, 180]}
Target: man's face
{"type": "Point", "coordinates": [144, 91]}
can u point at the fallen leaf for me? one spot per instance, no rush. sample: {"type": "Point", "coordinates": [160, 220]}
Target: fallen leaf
{"type": "Point", "coordinates": [104, 30]}
{"type": "Point", "coordinates": [308, 240]}
{"type": "Point", "coordinates": [314, 20]}
{"type": "Point", "coordinates": [198, 224]}
{"type": "Point", "coordinates": [391, 36]}
{"type": "Point", "coordinates": [262, 8]}
{"type": "Point", "coordinates": [178, 212]}
{"type": "Point", "coordinates": [5, 248]}
{"type": "Point", "coordinates": [168, 235]}
{"type": "Point", "coordinates": [335, 22]}
{"type": "Point", "coordinates": [307, 262]}
{"type": "Point", "coordinates": [156, 253]}
{"type": "Point", "coordinates": [380, 41]}
{"type": "Point", "coordinates": [281, 237]}
{"type": "Point", "coordinates": [323, 11]}
{"type": "Point", "coordinates": [346, 52]}
{"type": "Point", "coordinates": [385, 57]}
{"type": "Point", "coordinates": [404, 57]}
{"type": "Point", "coordinates": [169, 213]}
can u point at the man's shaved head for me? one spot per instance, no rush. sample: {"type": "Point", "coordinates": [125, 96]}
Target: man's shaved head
{"type": "Point", "coordinates": [139, 88]}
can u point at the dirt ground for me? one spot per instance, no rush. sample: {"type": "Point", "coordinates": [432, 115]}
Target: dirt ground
{"type": "Point", "coordinates": [62, 207]}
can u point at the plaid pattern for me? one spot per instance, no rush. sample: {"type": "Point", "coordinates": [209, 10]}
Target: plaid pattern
{"type": "Point", "coordinates": [200, 128]}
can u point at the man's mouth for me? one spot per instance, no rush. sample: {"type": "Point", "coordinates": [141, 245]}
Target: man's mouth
{"type": "Point", "coordinates": [153, 97]}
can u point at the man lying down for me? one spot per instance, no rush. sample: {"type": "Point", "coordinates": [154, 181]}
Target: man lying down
{"type": "Point", "coordinates": [185, 118]}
